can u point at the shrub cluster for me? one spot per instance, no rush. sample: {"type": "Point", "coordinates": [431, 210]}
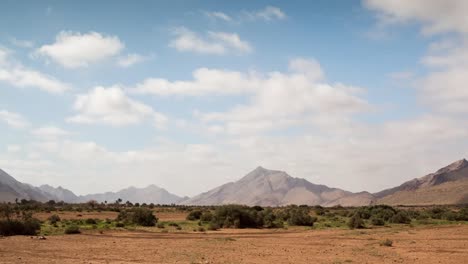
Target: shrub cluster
{"type": "Point", "coordinates": [25, 225]}
{"type": "Point", "coordinates": [138, 216]}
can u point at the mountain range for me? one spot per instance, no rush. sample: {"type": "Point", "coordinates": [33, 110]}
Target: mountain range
{"type": "Point", "coordinates": [264, 187]}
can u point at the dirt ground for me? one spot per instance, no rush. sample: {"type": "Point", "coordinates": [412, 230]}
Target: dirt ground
{"type": "Point", "coordinates": [443, 244]}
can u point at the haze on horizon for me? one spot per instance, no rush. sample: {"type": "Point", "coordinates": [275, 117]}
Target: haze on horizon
{"type": "Point", "coordinates": [188, 95]}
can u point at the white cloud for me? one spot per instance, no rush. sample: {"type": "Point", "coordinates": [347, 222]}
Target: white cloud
{"type": "Point", "coordinates": [277, 100]}
{"type": "Point", "coordinates": [218, 43]}
{"type": "Point", "coordinates": [436, 16]}
{"type": "Point", "coordinates": [20, 76]}
{"type": "Point", "coordinates": [73, 49]}
{"type": "Point", "coordinates": [131, 59]}
{"type": "Point", "coordinates": [50, 132]}
{"type": "Point", "coordinates": [269, 13]}
{"type": "Point", "coordinates": [218, 15]}
{"type": "Point", "coordinates": [112, 106]}
{"type": "Point", "coordinates": [12, 119]}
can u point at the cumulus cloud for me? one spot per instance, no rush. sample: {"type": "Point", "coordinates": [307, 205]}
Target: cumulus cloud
{"type": "Point", "coordinates": [269, 13]}
{"type": "Point", "coordinates": [131, 59]}
{"type": "Point", "coordinates": [50, 132]}
{"type": "Point", "coordinates": [218, 43]}
{"type": "Point", "coordinates": [112, 106]}
{"type": "Point", "coordinates": [436, 16]}
{"type": "Point", "coordinates": [218, 15]}
{"type": "Point", "coordinates": [17, 75]}
{"type": "Point", "coordinates": [12, 119]}
{"type": "Point", "coordinates": [276, 99]}
{"type": "Point", "coordinates": [74, 50]}
{"type": "Point", "coordinates": [442, 88]}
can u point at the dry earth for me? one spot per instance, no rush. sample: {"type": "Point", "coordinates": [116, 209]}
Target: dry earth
{"type": "Point", "coordinates": [443, 244]}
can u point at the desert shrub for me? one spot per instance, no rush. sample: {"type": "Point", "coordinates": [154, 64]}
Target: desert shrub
{"type": "Point", "coordinates": [237, 216]}
{"type": "Point", "coordinates": [119, 224]}
{"type": "Point", "coordinates": [213, 226]}
{"type": "Point", "coordinates": [319, 210]}
{"type": "Point", "coordinates": [160, 225]}
{"type": "Point", "coordinates": [53, 219]}
{"type": "Point", "coordinates": [401, 218]}
{"type": "Point", "coordinates": [300, 217]}
{"type": "Point", "coordinates": [450, 215]}
{"type": "Point", "coordinates": [90, 221]}
{"type": "Point", "coordinates": [270, 220]}
{"type": "Point", "coordinates": [380, 211]}
{"type": "Point", "coordinates": [437, 212]}
{"type": "Point", "coordinates": [386, 243]}
{"type": "Point", "coordinates": [377, 221]}
{"type": "Point", "coordinates": [207, 216]}
{"type": "Point", "coordinates": [356, 221]}
{"type": "Point", "coordinates": [138, 216]}
{"type": "Point", "coordinates": [201, 229]}
{"type": "Point", "coordinates": [462, 214]}
{"type": "Point", "coordinates": [257, 208]}
{"type": "Point", "coordinates": [194, 215]}
{"type": "Point", "coordinates": [173, 224]}
{"type": "Point", "coordinates": [72, 229]}
{"type": "Point", "coordinates": [19, 227]}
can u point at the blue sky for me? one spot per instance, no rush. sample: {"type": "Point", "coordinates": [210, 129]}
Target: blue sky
{"type": "Point", "coordinates": [354, 94]}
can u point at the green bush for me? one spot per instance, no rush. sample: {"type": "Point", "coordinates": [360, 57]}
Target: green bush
{"type": "Point", "coordinates": [53, 219]}
{"type": "Point", "coordinates": [377, 221]}
{"type": "Point", "coordinates": [90, 221]}
{"type": "Point", "coordinates": [138, 216]}
{"type": "Point", "coordinates": [356, 221]}
{"type": "Point", "coordinates": [300, 217]}
{"type": "Point", "coordinates": [213, 226]}
{"type": "Point", "coordinates": [207, 216]}
{"type": "Point", "coordinates": [72, 229]}
{"type": "Point", "coordinates": [237, 216]}
{"type": "Point", "coordinates": [194, 215]}
{"type": "Point", "coordinates": [401, 218]}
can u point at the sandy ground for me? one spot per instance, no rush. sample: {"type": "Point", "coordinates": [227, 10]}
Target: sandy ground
{"type": "Point", "coordinates": [444, 244]}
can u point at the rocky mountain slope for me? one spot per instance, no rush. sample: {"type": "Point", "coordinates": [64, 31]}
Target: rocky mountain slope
{"type": "Point", "coordinates": [11, 189]}
{"type": "Point", "coordinates": [448, 185]}
{"type": "Point", "coordinates": [149, 194]}
{"type": "Point", "coordinates": [275, 188]}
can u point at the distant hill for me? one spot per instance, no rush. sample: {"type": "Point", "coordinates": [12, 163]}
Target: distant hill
{"type": "Point", "coordinates": [11, 189]}
{"type": "Point", "coordinates": [149, 194]}
{"type": "Point", "coordinates": [275, 188]}
{"type": "Point", "coordinates": [448, 185]}
{"type": "Point", "coordinates": [60, 193]}
{"type": "Point", "coordinates": [264, 187]}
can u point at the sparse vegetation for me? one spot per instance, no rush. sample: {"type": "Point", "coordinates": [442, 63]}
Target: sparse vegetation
{"type": "Point", "coordinates": [72, 229]}
{"type": "Point", "coordinates": [386, 243]}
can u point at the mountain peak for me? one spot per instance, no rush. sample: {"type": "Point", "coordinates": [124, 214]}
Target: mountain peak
{"type": "Point", "coordinates": [457, 165]}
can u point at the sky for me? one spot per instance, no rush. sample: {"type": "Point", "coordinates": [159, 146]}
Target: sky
{"type": "Point", "coordinates": [189, 95]}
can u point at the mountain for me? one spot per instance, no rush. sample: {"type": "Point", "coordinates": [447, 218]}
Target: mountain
{"type": "Point", "coordinates": [276, 188]}
{"type": "Point", "coordinates": [150, 194]}
{"type": "Point", "coordinates": [11, 189]}
{"type": "Point", "coordinates": [448, 185]}
{"type": "Point", "coordinates": [60, 194]}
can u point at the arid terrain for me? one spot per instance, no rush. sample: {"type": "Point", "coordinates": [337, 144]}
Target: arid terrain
{"type": "Point", "coordinates": [433, 244]}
